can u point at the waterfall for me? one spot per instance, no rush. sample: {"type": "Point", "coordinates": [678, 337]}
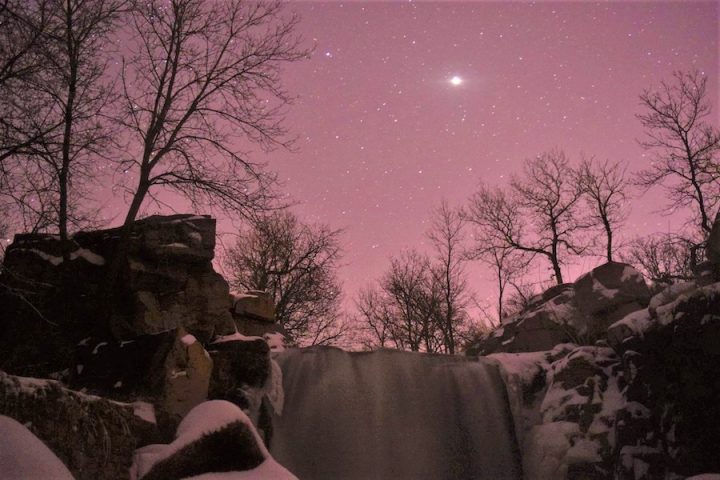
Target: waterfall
{"type": "Point", "coordinates": [391, 415]}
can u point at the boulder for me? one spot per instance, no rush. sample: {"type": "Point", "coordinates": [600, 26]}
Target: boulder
{"type": "Point", "coordinates": [95, 438]}
{"type": "Point", "coordinates": [539, 327]}
{"type": "Point", "coordinates": [609, 292]}
{"type": "Point", "coordinates": [579, 312]}
{"type": "Point", "coordinates": [255, 304]}
{"type": "Point", "coordinates": [188, 368]}
{"type": "Point", "coordinates": [239, 363]}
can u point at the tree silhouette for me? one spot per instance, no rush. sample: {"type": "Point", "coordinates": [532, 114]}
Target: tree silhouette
{"type": "Point", "coordinates": [297, 265]}
{"type": "Point", "coordinates": [685, 146]}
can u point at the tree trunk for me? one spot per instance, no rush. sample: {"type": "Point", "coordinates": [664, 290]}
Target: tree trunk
{"type": "Point", "coordinates": [608, 231]}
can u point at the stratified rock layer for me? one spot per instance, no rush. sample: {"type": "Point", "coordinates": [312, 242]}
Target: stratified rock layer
{"type": "Point", "coordinates": [166, 281]}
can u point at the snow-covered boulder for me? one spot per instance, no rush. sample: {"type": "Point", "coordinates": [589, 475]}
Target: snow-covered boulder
{"type": "Point", "coordinates": [215, 440]}
{"type": "Point", "coordinates": [95, 438]}
{"type": "Point", "coordinates": [255, 304]}
{"type": "Point", "coordinates": [577, 312]}
{"type": "Point", "coordinates": [609, 292]}
{"type": "Point", "coordinates": [24, 456]}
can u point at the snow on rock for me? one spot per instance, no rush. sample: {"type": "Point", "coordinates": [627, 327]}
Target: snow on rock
{"type": "Point", "coordinates": [84, 253]}
{"type": "Point", "coordinates": [564, 404]}
{"type": "Point", "coordinates": [24, 456]}
{"type": "Point", "coordinates": [545, 456]}
{"type": "Point", "coordinates": [215, 440]}
{"type": "Point", "coordinates": [578, 312]}
{"type": "Point", "coordinates": [634, 324]}
{"type": "Point", "coordinates": [669, 294]}
{"type": "Point", "coordinates": [94, 437]}
{"type": "Point", "coordinates": [276, 341]}
{"type": "Point", "coordinates": [88, 256]}
{"type": "Point", "coordinates": [268, 470]}
{"type": "Point", "coordinates": [235, 337]}
{"type": "Point", "coordinates": [144, 410]}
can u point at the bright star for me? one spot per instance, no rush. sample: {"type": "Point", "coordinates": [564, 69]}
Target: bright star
{"type": "Point", "coordinates": [455, 81]}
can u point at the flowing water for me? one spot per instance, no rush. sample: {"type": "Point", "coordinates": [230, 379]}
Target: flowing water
{"type": "Point", "coordinates": [393, 416]}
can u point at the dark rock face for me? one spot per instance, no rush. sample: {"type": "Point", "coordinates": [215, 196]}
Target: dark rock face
{"type": "Point", "coordinates": [673, 420]}
{"type": "Point", "coordinates": [166, 282]}
{"type": "Point", "coordinates": [146, 340]}
{"type": "Point", "coordinates": [94, 438]}
{"type": "Point", "coordinates": [238, 364]}
{"type": "Point", "coordinates": [577, 312]}
{"type": "Point", "coordinates": [121, 369]}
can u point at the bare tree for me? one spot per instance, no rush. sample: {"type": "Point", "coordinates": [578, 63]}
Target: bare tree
{"type": "Point", "coordinates": [65, 99]}
{"type": "Point", "coordinates": [664, 259]}
{"type": "Point", "coordinates": [297, 265]}
{"type": "Point", "coordinates": [605, 189]}
{"type": "Point", "coordinates": [685, 145]}
{"type": "Point", "coordinates": [26, 37]}
{"type": "Point", "coordinates": [448, 271]}
{"type": "Point", "coordinates": [402, 310]}
{"type": "Point", "coordinates": [537, 216]}
{"type": "Point", "coordinates": [508, 267]}
{"type": "Point", "coordinates": [203, 80]}
{"type": "Point", "coordinates": [375, 322]}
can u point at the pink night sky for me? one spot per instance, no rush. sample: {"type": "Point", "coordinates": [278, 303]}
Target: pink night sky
{"type": "Point", "coordinates": [384, 134]}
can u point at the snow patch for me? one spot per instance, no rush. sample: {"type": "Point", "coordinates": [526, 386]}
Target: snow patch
{"type": "Point", "coordinates": [145, 411]}
{"type": "Point", "coordinates": [236, 337]}
{"type": "Point", "coordinates": [24, 456]}
{"type": "Point", "coordinates": [276, 341]}
{"type": "Point", "coordinates": [83, 253]}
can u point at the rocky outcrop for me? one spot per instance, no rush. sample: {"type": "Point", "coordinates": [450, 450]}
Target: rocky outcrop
{"type": "Point", "coordinates": [148, 338]}
{"type": "Point", "coordinates": [167, 281]}
{"type": "Point", "coordinates": [578, 312]}
{"type": "Point", "coordinates": [642, 408]}
{"type": "Point", "coordinates": [670, 358]}
{"type": "Point", "coordinates": [565, 403]}
{"type": "Point", "coordinates": [95, 438]}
